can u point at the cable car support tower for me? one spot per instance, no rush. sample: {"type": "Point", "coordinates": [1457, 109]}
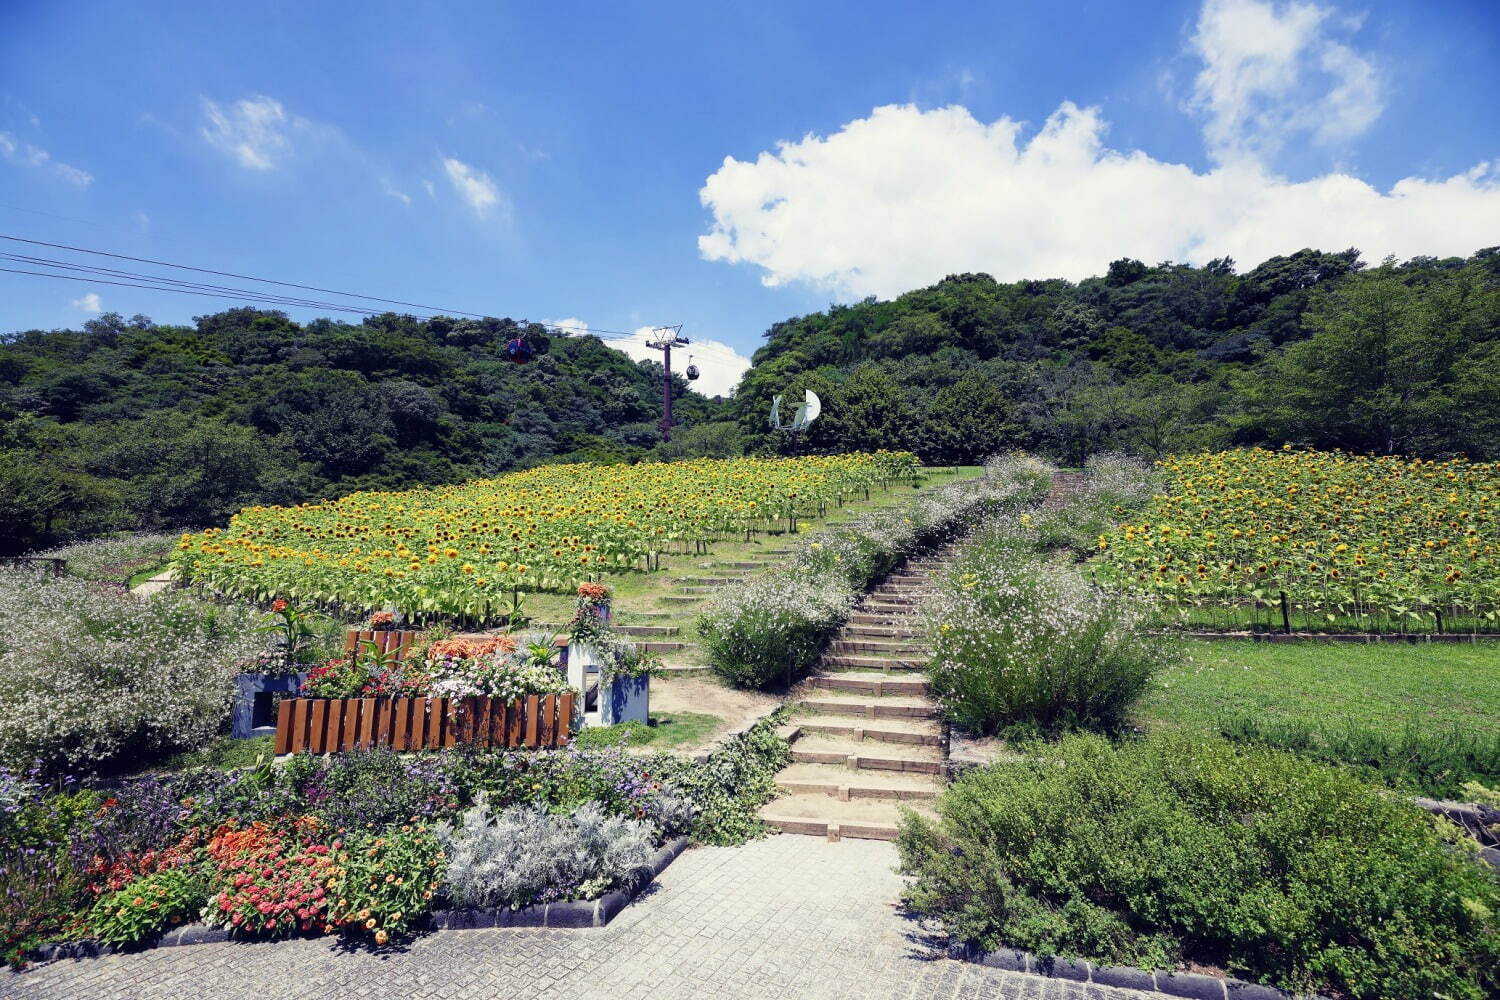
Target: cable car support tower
{"type": "Point", "coordinates": [664, 338]}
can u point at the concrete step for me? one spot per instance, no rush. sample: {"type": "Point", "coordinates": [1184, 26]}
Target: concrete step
{"type": "Point", "coordinates": [655, 615]}
{"type": "Point", "coordinates": [846, 646]}
{"type": "Point", "coordinates": [738, 565]}
{"type": "Point", "coordinates": [865, 631]}
{"type": "Point", "coordinates": [821, 816]}
{"type": "Point", "coordinates": [708, 581]}
{"type": "Point", "coordinates": [898, 624]}
{"type": "Point", "coordinates": [838, 783]}
{"type": "Point", "coordinates": [681, 599]}
{"type": "Point", "coordinates": [647, 629]}
{"type": "Point", "coordinates": [893, 707]}
{"type": "Point", "coordinates": [864, 755]}
{"type": "Point", "coordinates": [884, 607]}
{"type": "Point", "coordinates": [697, 590]}
{"type": "Point", "coordinates": [927, 732]}
{"type": "Point", "coordinates": [662, 647]}
{"type": "Point", "coordinates": [876, 684]}
{"type": "Point", "coordinates": [843, 664]}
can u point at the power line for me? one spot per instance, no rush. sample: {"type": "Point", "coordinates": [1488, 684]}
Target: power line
{"type": "Point", "coordinates": [436, 310]}
{"type": "Point", "coordinates": [159, 288]}
{"type": "Point", "coordinates": [229, 291]}
{"type": "Point", "coordinates": [162, 283]}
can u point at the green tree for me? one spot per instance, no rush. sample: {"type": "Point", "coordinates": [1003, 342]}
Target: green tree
{"type": "Point", "coordinates": [969, 421]}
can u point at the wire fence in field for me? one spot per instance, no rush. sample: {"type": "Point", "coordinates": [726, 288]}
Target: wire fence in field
{"type": "Point", "coordinates": [1290, 612]}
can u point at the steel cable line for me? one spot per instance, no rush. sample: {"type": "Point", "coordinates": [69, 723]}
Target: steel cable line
{"type": "Point", "coordinates": [156, 282]}
{"type": "Point", "coordinates": [229, 291]}
{"type": "Point", "coordinates": [436, 310]}
{"type": "Point", "coordinates": [105, 276]}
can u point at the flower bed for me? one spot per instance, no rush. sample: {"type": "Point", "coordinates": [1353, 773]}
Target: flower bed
{"type": "Point", "coordinates": [365, 845]}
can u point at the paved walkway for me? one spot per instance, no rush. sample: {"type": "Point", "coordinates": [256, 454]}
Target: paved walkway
{"type": "Point", "coordinates": [784, 917]}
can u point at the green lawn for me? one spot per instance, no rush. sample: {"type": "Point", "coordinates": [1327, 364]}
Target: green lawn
{"type": "Point", "coordinates": [664, 731]}
{"type": "Point", "coordinates": [1380, 685]}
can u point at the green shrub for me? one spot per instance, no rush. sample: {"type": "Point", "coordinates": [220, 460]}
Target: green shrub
{"type": "Point", "coordinates": [147, 906]}
{"type": "Point", "coordinates": [1416, 759]}
{"type": "Point", "coordinates": [1021, 642]}
{"type": "Point", "coordinates": [92, 678]}
{"type": "Point", "coordinates": [1182, 847]}
{"type": "Point", "coordinates": [768, 631]}
{"type": "Point", "coordinates": [730, 788]}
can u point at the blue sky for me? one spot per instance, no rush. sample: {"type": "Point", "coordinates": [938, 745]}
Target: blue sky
{"type": "Point", "coordinates": [568, 161]}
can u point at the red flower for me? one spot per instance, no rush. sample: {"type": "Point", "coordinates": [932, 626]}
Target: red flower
{"type": "Point", "coordinates": [278, 605]}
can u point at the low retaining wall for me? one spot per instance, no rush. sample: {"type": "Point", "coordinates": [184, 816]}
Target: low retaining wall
{"type": "Point", "coordinates": [1190, 985]}
{"type": "Point", "coordinates": [575, 913]}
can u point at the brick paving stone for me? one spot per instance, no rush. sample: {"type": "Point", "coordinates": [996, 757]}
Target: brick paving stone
{"type": "Point", "coordinates": [787, 917]}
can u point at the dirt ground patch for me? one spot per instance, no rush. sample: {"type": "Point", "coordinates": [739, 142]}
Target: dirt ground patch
{"type": "Point", "coordinates": [735, 709]}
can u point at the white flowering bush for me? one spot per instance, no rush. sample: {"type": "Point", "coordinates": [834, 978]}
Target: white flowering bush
{"type": "Point", "coordinates": [91, 677]}
{"type": "Point", "coordinates": [770, 629]}
{"type": "Point", "coordinates": [1114, 486]}
{"type": "Point", "coordinates": [117, 559]}
{"type": "Point", "coordinates": [1021, 641]}
{"type": "Point", "coordinates": [524, 855]}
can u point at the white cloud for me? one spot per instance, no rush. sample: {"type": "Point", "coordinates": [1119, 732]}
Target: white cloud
{"type": "Point", "coordinates": [89, 303]}
{"type": "Point", "coordinates": [901, 198]}
{"type": "Point", "coordinates": [476, 187]}
{"type": "Point", "coordinates": [394, 192]}
{"type": "Point", "coordinates": [720, 365]}
{"type": "Point", "coordinates": [1271, 72]}
{"type": "Point", "coordinates": [24, 154]}
{"type": "Point", "coordinates": [253, 130]}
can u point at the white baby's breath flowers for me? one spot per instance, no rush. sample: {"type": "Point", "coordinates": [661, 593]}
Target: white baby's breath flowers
{"type": "Point", "coordinates": [89, 673]}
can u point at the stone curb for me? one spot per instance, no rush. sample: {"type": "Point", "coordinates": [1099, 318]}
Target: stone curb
{"type": "Point", "coordinates": [1189, 985]}
{"type": "Point", "coordinates": [573, 913]}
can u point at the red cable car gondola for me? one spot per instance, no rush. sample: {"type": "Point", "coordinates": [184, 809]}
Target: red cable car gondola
{"type": "Point", "coordinates": [518, 350]}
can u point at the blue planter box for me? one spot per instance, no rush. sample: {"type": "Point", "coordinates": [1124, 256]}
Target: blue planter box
{"type": "Point", "coordinates": [625, 699]}
{"type": "Point", "coordinates": [254, 709]}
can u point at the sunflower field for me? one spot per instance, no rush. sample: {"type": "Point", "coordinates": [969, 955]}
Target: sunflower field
{"type": "Point", "coordinates": [1338, 540]}
{"type": "Point", "coordinates": [462, 550]}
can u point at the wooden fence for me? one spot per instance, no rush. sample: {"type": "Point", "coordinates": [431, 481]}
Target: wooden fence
{"type": "Point", "coordinates": [324, 725]}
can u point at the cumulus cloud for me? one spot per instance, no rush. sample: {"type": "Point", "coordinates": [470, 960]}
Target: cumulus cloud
{"type": "Point", "coordinates": [476, 187]}
{"type": "Point", "coordinates": [1271, 73]}
{"type": "Point", "coordinates": [24, 154]}
{"type": "Point", "coordinates": [901, 198]}
{"type": "Point", "coordinates": [720, 365]}
{"type": "Point", "coordinates": [89, 303]}
{"type": "Point", "coordinates": [255, 131]}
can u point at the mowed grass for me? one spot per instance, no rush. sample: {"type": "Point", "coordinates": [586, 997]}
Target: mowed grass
{"type": "Point", "coordinates": [1328, 685]}
{"type": "Point", "coordinates": [664, 731]}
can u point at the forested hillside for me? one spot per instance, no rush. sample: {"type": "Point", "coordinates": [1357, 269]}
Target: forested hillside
{"type": "Point", "coordinates": [1313, 348]}
{"type": "Point", "coordinates": [135, 425]}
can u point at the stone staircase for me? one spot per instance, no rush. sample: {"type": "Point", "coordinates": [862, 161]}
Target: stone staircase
{"type": "Point", "coordinates": [1064, 486]}
{"type": "Point", "coordinates": [867, 739]}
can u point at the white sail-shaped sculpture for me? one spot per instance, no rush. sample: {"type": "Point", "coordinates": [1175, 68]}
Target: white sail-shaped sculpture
{"type": "Point", "coordinates": [807, 412]}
